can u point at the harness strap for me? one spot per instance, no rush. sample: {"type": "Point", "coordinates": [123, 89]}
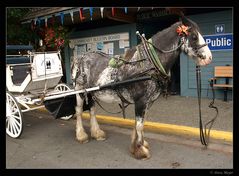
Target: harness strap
{"type": "Point", "coordinates": [95, 99]}
{"type": "Point", "coordinates": [156, 58]}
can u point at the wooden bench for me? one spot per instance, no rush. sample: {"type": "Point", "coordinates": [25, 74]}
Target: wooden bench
{"type": "Point", "coordinates": [222, 72]}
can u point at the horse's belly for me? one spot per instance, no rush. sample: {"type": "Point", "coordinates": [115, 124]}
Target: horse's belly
{"type": "Point", "coordinates": [107, 96]}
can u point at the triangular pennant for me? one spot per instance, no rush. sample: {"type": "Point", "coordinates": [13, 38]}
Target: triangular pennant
{"type": "Point", "coordinates": [35, 21]}
{"type": "Point", "coordinates": [125, 10]}
{"type": "Point", "coordinates": [72, 18]}
{"type": "Point", "coordinates": [113, 11]}
{"type": "Point", "coordinates": [46, 22]}
{"type": "Point", "coordinates": [62, 17]}
{"type": "Point", "coordinates": [81, 14]}
{"type": "Point", "coordinates": [39, 22]}
{"type": "Point", "coordinates": [138, 8]}
{"type": "Point", "coordinates": [33, 25]}
{"type": "Point", "coordinates": [91, 13]}
{"type": "Point", "coordinates": [102, 12]}
{"type": "Point", "coordinates": [52, 21]}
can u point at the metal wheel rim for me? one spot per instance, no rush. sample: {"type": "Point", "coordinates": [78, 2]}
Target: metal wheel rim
{"type": "Point", "coordinates": [13, 117]}
{"type": "Point", "coordinates": [63, 87]}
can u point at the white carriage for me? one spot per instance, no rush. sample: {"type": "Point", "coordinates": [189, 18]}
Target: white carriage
{"type": "Point", "coordinates": [30, 78]}
{"type": "Point", "coordinates": [32, 82]}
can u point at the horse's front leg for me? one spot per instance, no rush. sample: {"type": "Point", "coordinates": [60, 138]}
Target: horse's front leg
{"type": "Point", "coordinates": [96, 132]}
{"type": "Point", "coordinates": [139, 147]}
{"type": "Point", "coordinates": [81, 135]}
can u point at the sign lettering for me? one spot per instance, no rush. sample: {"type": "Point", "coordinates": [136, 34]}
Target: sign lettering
{"type": "Point", "coordinates": [219, 42]}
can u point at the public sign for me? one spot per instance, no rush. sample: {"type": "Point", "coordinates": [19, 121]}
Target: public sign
{"type": "Point", "coordinates": [219, 28]}
{"type": "Point", "coordinates": [219, 41]}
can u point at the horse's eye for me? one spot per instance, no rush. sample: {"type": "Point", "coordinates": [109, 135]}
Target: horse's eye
{"type": "Point", "coordinates": [195, 37]}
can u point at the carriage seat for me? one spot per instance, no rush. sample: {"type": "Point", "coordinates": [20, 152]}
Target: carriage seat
{"type": "Point", "coordinates": [17, 60]}
{"type": "Point", "coordinates": [19, 73]}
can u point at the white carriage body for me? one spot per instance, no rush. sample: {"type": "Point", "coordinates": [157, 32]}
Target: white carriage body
{"type": "Point", "coordinates": [30, 79]}
{"type": "Point", "coordinates": [43, 71]}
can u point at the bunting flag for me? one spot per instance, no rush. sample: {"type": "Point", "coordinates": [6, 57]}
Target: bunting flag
{"type": "Point", "coordinates": [52, 20]}
{"type": "Point", "coordinates": [39, 22]}
{"type": "Point", "coordinates": [72, 18]}
{"type": "Point", "coordinates": [35, 21]}
{"type": "Point", "coordinates": [138, 8]}
{"type": "Point", "coordinates": [125, 10]}
{"type": "Point", "coordinates": [81, 14]}
{"type": "Point", "coordinates": [46, 22]}
{"type": "Point", "coordinates": [91, 13]}
{"type": "Point", "coordinates": [113, 11]}
{"type": "Point", "coordinates": [62, 17]}
{"type": "Point", "coordinates": [33, 25]}
{"type": "Point", "coordinates": [102, 12]}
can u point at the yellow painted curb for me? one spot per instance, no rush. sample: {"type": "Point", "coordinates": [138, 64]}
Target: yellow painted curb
{"type": "Point", "coordinates": [160, 127]}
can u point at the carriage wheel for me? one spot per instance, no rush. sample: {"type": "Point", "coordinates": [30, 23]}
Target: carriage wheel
{"type": "Point", "coordinates": [63, 87]}
{"type": "Point", "coordinates": [13, 116]}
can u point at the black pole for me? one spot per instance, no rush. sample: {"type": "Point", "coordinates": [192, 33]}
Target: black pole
{"type": "Point", "coordinates": [125, 82]}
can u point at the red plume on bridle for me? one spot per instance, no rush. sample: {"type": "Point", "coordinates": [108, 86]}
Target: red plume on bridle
{"type": "Point", "coordinates": [181, 30]}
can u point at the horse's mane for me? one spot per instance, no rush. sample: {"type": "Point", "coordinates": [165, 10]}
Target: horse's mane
{"type": "Point", "coordinates": [129, 53]}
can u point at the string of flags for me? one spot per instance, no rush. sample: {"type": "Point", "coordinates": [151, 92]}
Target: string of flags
{"type": "Point", "coordinates": [37, 21]}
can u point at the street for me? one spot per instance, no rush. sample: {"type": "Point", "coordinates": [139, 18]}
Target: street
{"type": "Point", "coordinates": [49, 143]}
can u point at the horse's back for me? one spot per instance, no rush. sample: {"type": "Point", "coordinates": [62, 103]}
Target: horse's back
{"type": "Point", "coordinates": [92, 65]}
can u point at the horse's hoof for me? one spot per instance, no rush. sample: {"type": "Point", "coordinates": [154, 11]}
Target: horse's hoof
{"type": "Point", "coordinates": [82, 137]}
{"type": "Point", "coordinates": [141, 153]}
{"type": "Point", "coordinates": [99, 135]}
{"type": "Point", "coordinates": [146, 144]}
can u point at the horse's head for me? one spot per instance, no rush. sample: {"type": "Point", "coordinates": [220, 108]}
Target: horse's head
{"type": "Point", "coordinates": [194, 45]}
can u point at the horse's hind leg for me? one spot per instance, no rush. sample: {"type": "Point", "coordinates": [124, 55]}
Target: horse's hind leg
{"type": "Point", "coordinates": [139, 147]}
{"type": "Point", "coordinates": [96, 132]}
{"type": "Point", "coordinates": [81, 135]}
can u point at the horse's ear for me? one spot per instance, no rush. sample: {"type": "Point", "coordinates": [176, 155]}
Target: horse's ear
{"type": "Point", "coordinates": [185, 21]}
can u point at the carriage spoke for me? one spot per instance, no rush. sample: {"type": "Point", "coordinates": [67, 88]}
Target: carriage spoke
{"type": "Point", "coordinates": [8, 123]}
{"type": "Point", "coordinates": [16, 122]}
{"type": "Point", "coordinates": [10, 129]}
{"type": "Point", "coordinates": [15, 126]}
{"type": "Point", "coordinates": [16, 117]}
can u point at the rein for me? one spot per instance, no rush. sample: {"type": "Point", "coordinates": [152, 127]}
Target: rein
{"type": "Point", "coordinates": [204, 132]}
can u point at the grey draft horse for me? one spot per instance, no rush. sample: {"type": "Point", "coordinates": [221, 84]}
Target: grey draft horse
{"type": "Point", "coordinates": [154, 57]}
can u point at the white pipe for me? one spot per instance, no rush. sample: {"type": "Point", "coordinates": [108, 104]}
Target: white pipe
{"type": "Point", "coordinates": [70, 93]}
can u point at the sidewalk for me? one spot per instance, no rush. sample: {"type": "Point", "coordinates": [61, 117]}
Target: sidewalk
{"type": "Point", "coordinates": [180, 110]}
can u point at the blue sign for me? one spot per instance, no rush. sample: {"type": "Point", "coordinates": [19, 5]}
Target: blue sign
{"type": "Point", "coordinates": [220, 28]}
{"type": "Point", "coordinates": [219, 42]}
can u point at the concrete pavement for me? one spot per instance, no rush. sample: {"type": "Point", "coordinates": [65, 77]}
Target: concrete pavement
{"type": "Point", "coordinates": [49, 143]}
